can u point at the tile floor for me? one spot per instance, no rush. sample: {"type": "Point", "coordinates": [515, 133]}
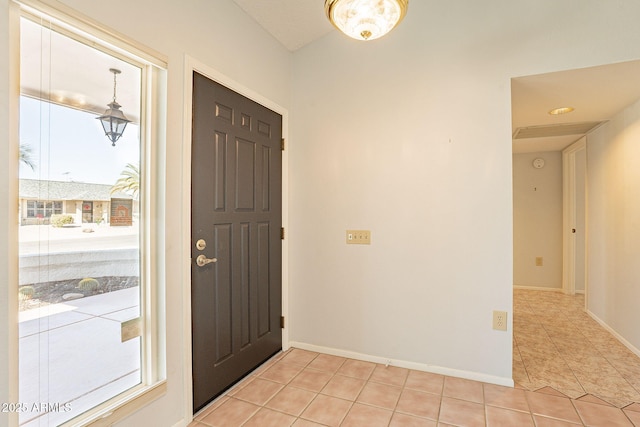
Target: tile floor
{"type": "Point", "coordinates": [305, 389]}
{"type": "Point", "coordinates": [558, 345]}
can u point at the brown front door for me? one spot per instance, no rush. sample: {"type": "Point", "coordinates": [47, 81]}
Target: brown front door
{"type": "Point", "coordinates": [236, 213]}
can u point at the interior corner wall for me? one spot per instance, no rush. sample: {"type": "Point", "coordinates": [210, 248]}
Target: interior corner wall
{"type": "Point", "coordinates": [217, 34]}
{"type": "Point", "coordinates": [613, 209]}
{"type": "Point", "coordinates": [537, 220]}
{"type": "Point", "coordinates": [409, 136]}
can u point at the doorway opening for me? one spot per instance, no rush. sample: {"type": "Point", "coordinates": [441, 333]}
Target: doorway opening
{"type": "Point", "coordinates": [572, 317]}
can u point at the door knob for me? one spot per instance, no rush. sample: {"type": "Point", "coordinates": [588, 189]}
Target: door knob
{"type": "Point", "coordinates": [203, 260]}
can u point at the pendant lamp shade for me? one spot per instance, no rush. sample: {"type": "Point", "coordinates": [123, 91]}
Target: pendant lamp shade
{"type": "Point", "coordinates": [113, 120]}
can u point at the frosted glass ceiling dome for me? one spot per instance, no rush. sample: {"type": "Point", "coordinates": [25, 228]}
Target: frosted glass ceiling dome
{"type": "Point", "coordinates": [365, 19]}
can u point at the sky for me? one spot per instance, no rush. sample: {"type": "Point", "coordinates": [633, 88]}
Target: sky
{"type": "Point", "coordinates": [70, 145]}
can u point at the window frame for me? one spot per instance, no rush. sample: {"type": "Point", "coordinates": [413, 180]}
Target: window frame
{"type": "Point", "coordinates": [152, 145]}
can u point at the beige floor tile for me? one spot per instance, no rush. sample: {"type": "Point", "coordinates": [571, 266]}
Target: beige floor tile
{"type": "Point", "coordinates": [461, 413]}
{"type": "Point", "coordinates": [500, 417]}
{"type": "Point", "coordinates": [542, 421]}
{"type": "Point", "coordinates": [404, 420]}
{"type": "Point", "coordinates": [357, 369]}
{"type": "Point", "coordinates": [381, 395]}
{"type": "Point", "coordinates": [306, 423]}
{"type": "Point", "coordinates": [593, 414]}
{"type": "Point", "coordinates": [634, 416]}
{"type": "Point", "coordinates": [552, 406]}
{"type": "Point", "coordinates": [571, 352]}
{"type": "Point", "coordinates": [327, 410]}
{"type": "Point", "coordinates": [425, 381]}
{"type": "Point", "coordinates": [268, 418]}
{"type": "Point", "coordinates": [291, 400]}
{"type": "Point", "coordinates": [593, 399]}
{"type": "Point", "coordinates": [418, 403]}
{"type": "Point", "coordinates": [231, 413]}
{"type": "Point", "coordinates": [327, 363]}
{"type": "Point", "coordinates": [633, 407]}
{"type": "Point", "coordinates": [390, 375]}
{"type": "Point", "coordinates": [505, 397]}
{"type": "Point", "coordinates": [210, 407]}
{"type": "Point", "coordinates": [312, 380]}
{"type": "Point", "coordinates": [282, 372]}
{"type": "Point", "coordinates": [364, 415]}
{"type": "Point", "coordinates": [259, 391]}
{"type": "Point", "coordinates": [463, 389]}
{"type": "Point", "coordinates": [344, 387]}
{"type": "Point", "coordinates": [300, 357]}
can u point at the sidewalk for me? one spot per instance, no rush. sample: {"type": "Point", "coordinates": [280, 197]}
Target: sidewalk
{"type": "Point", "coordinates": [72, 357]}
{"type": "Point", "coordinates": [72, 354]}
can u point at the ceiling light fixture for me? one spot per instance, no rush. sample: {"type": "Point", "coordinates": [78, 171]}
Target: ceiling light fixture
{"type": "Point", "coordinates": [113, 120]}
{"type": "Point", "coordinates": [365, 19]}
{"type": "Point", "coordinates": [561, 110]}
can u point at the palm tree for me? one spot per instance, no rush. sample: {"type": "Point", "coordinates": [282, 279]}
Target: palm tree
{"type": "Point", "coordinates": [129, 181]}
{"type": "Point", "coordinates": [26, 156]}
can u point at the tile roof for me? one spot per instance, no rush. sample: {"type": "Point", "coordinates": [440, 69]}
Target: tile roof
{"type": "Point", "coordinates": [58, 190]}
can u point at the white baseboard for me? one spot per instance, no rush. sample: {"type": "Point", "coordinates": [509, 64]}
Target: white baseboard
{"type": "Point", "coordinates": [476, 376]}
{"type": "Point", "coordinates": [537, 288]}
{"type": "Point", "coordinates": [619, 337]}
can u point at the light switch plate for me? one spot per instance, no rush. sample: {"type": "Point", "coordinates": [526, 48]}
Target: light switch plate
{"type": "Point", "coordinates": [358, 237]}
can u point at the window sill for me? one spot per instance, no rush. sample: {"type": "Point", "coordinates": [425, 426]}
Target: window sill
{"type": "Point", "coordinates": [121, 406]}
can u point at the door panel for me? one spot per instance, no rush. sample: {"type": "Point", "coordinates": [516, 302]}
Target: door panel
{"type": "Point", "coordinates": [236, 208]}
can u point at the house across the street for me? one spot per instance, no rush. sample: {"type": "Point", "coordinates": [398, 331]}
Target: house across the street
{"type": "Point", "coordinates": [85, 202]}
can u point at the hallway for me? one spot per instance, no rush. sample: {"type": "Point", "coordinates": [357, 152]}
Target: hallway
{"type": "Point", "coordinates": [558, 345]}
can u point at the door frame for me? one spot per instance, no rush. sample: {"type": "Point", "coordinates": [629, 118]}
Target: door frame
{"type": "Point", "coordinates": [569, 183]}
{"type": "Point", "coordinates": [190, 65]}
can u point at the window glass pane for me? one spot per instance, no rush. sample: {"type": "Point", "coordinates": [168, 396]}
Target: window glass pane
{"type": "Point", "coordinates": [79, 276]}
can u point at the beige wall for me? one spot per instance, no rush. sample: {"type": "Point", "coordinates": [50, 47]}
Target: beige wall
{"type": "Point", "coordinates": [408, 136]}
{"type": "Point", "coordinates": [537, 220]}
{"type": "Point", "coordinates": [613, 213]}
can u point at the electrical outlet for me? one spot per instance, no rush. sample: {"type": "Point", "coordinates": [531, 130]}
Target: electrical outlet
{"type": "Point", "coordinates": [500, 320]}
{"type": "Point", "coordinates": [358, 237]}
{"type": "Point", "coordinates": [538, 261]}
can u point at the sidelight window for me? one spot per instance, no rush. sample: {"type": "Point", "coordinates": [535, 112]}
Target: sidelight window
{"type": "Point", "coordinates": [88, 280]}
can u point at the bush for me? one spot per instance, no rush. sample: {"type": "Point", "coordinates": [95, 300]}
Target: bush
{"type": "Point", "coordinates": [88, 284]}
{"type": "Point", "coordinates": [26, 292]}
{"type": "Point", "coordinates": [58, 220]}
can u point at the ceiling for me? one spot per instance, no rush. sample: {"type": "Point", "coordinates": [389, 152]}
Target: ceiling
{"type": "Point", "coordinates": [596, 93]}
{"type": "Point", "coordinates": [294, 23]}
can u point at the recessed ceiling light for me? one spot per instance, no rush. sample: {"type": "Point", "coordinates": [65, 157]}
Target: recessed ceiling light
{"type": "Point", "coordinates": [561, 110]}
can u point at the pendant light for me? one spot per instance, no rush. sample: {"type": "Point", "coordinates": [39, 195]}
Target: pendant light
{"type": "Point", "coordinates": [113, 120]}
{"type": "Point", "coordinates": [365, 19]}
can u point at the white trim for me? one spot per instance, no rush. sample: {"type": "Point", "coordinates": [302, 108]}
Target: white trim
{"type": "Point", "coordinates": [569, 215]}
{"type": "Point", "coordinates": [475, 376]}
{"type": "Point", "coordinates": [619, 337]}
{"type": "Point", "coordinates": [190, 65]}
{"type": "Point", "coordinates": [91, 29]}
{"type": "Point", "coordinates": [537, 288]}
{"type": "Point", "coordinates": [12, 183]}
